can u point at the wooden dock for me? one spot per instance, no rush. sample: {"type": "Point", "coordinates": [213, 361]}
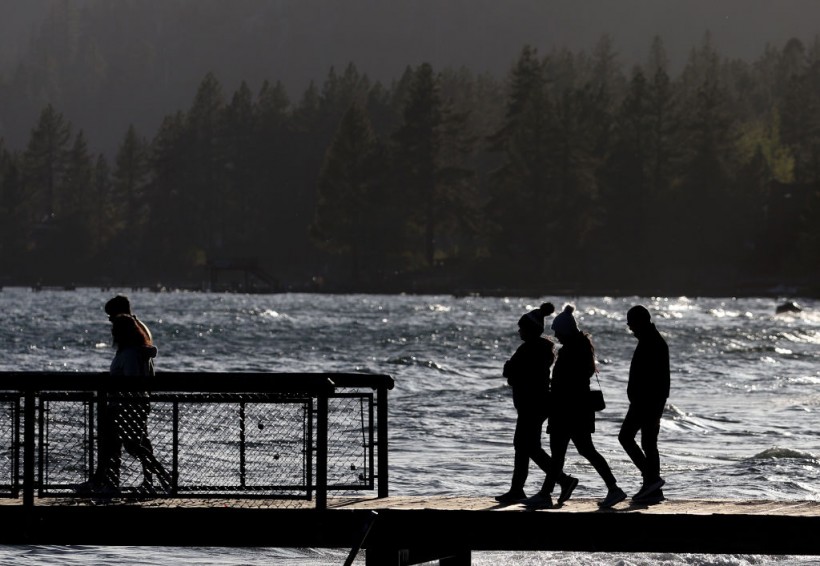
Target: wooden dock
{"type": "Point", "coordinates": [411, 530]}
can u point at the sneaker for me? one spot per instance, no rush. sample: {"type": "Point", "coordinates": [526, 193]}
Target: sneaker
{"type": "Point", "coordinates": [96, 489]}
{"type": "Point", "coordinates": [538, 501]}
{"type": "Point", "coordinates": [649, 487]}
{"type": "Point", "coordinates": [512, 496]}
{"type": "Point", "coordinates": [567, 488]}
{"type": "Point", "coordinates": [650, 498]}
{"type": "Point", "coordinates": [85, 488]}
{"type": "Point", "coordinates": [106, 491]}
{"type": "Point", "coordinates": [613, 497]}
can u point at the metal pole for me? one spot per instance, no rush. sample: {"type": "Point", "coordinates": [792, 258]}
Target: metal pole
{"type": "Point", "coordinates": [321, 450]}
{"type": "Point", "coordinates": [381, 431]}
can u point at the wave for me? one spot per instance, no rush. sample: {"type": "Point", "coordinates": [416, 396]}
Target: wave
{"type": "Point", "coordinates": [782, 453]}
{"type": "Point", "coordinates": [678, 419]}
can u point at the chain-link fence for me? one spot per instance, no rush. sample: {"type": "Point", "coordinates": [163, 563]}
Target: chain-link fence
{"type": "Point", "coordinates": [297, 438]}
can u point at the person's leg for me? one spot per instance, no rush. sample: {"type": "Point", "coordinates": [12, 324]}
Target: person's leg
{"type": "Point", "coordinates": [559, 442]}
{"type": "Point", "coordinates": [583, 443]}
{"type": "Point", "coordinates": [109, 458]}
{"type": "Point", "coordinates": [629, 430]}
{"type": "Point", "coordinates": [138, 444]}
{"type": "Point", "coordinates": [649, 442]}
{"type": "Point", "coordinates": [521, 461]}
{"type": "Point", "coordinates": [534, 449]}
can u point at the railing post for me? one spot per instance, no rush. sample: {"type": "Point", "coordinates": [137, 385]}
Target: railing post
{"type": "Point", "coordinates": [381, 431]}
{"type": "Point", "coordinates": [321, 450]}
{"type": "Point", "coordinates": [28, 450]}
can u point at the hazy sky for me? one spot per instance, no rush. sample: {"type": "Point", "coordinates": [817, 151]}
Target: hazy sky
{"type": "Point", "coordinates": [382, 36]}
{"type": "Point", "coordinates": [298, 41]}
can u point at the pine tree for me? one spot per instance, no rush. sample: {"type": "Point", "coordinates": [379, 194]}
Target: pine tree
{"type": "Point", "coordinates": [77, 205]}
{"type": "Point", "coordinates": [344, 219]}
{"type": "Point", "coordinates": [523, 183]}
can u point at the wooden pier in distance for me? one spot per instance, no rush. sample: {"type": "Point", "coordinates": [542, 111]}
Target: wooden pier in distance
{"type": "Point", "coordinates": [413, 530]}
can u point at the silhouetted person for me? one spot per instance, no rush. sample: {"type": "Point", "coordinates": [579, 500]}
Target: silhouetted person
{"type": "Point", "coordinates": [528, 373]}
{"type": "Point", "coordinates": [647, 390]}
{"type": "Point", "coordinates": [571, 416]}
{"type": "Point", "coordinates": [124, 420]}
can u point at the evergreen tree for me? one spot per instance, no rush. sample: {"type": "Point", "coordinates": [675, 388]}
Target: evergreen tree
{"type": "Point", "coordinates": [15, 224]}
{"type": "Point", "coordinates": [44, 160]}
{"type": "Point", "coordinates": [204, 191]}
{"type": "Point", "coordinates": [102, 208]}
{"type": "Point", "coordinates": [277, 172]}
{"type": "Point", "coordinates": [131, 207]}
{"type": "Point", "coordinates": [44, 163]}
{"type": "Point", "coordinates": [417, 143]}
{"type": "Point", "coordinates": [522, 188]}
{"type": "Point", "coordinates": [702, 227]}
{"type": "Point", "coordinates": [173, 243]}
{"type": "Point", "coordinates": [240, 132]}
{"type": "Point", "coordinates": [77, 205]}
{"type": "Point", "coordinates": [348, 181]}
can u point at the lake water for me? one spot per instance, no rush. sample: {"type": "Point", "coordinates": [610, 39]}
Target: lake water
{"type": "Point", "coordinates": [743, 419]}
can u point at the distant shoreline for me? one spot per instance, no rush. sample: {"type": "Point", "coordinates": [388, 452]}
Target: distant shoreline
{"type": "Point", "coordinates": [776, 293]}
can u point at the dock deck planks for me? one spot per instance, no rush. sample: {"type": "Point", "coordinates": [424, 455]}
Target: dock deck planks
{"type": "Point", "coordinates": [433, 526]}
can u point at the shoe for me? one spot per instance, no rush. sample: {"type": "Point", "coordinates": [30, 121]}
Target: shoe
{"type": "Point", "coordinates": [566, 490]}
{"type": "Point", "coordinates": [613, 497]}
{"type": "Point", "coordinates": [106, 491]}
{"type": "Point", "coordinates": [512, 496]}
{"type": "Point", "coordinates": [86, 487]}
{"type": "Point", "coordinates": [538, 501]}
{"type": "Point", "coordinates": [650, 498]}
{"type": "Point", "coordinates": [649, 487]}
{"type": "Point", "coordinates": [95, 488]}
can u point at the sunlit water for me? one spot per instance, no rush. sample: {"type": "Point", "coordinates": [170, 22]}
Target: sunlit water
{"type": "Point", "coordinates": [742, 420]}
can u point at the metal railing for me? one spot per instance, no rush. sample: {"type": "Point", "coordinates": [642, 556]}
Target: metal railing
{"type": "Point", "coordinates": [260, 438]}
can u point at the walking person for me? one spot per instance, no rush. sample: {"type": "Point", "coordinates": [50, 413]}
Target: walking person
{"type": "Point", "coordinates": [571, 416]}
{"type": "Point", "coordinates": [528, 373]}
{"type": "Point", "coordinates": [123, 422]}
{"type": "Point", "coordinates": [647, 390]}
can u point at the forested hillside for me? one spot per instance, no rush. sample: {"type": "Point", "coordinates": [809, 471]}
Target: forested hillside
{"type": "Point", "coordinates": [569, 171]}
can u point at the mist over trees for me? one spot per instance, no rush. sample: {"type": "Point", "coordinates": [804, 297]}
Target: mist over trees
{"type": "Point", "coordinates": [572, 171]}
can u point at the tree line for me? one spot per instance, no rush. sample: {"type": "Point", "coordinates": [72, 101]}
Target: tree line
{"type": "Point", "coordinates": [569, 173]}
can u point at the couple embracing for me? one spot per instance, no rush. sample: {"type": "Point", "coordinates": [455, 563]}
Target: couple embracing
{"type": "Point", "coordinates": [564, 402]}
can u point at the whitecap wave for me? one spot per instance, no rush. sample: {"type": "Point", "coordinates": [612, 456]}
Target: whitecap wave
{"type": "Point", "coordinates": [781, 452]}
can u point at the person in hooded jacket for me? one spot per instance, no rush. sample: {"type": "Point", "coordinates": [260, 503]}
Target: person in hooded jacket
{"type": "Point", "coordinates": [528, 373]}
{"type": "Point", "coordinates": [125, 420]}
{"type": "Point", "coordinates": [571, 415]}
{"type": "Point", "coordinates": [647, 390]}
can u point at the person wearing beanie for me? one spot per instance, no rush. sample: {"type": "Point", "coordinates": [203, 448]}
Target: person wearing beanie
{"type": "Point", "coordinates": [571, 417]}
{"type": "Point", "coordinates": [528, 373]}
{"type": "Point", "coordinates": [647, 390]}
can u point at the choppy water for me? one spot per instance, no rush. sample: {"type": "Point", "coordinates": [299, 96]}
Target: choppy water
{"type": "Point", "coordinates": [742, 421]}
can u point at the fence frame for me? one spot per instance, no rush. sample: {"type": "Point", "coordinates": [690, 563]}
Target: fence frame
{"type": "Point", "coordinates": [28, 386]}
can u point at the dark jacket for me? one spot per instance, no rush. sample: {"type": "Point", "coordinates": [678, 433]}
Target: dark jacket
{"type": "Point", "coordinates": [134, 361]}
{"type": "Point", "coordinates": [574, 366]}
{"type": "Point", "coordinates": [528, 373]}
{"type": "Point", "coordinates": [649, 371]}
